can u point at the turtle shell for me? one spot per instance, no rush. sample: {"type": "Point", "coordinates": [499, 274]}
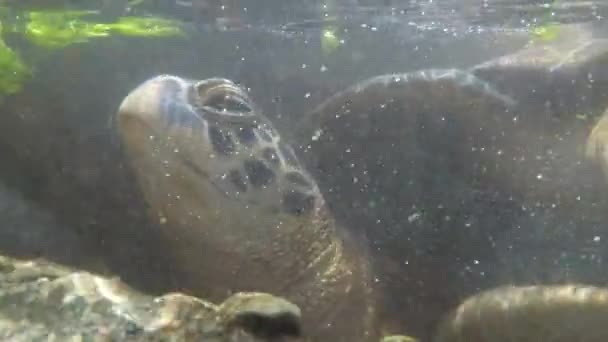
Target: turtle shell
{"type": "Point", "coordinates": [437, 168]}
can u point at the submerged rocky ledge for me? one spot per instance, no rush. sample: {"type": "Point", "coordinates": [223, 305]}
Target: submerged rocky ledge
{"type": "Point", "coordinates": [40, 300]}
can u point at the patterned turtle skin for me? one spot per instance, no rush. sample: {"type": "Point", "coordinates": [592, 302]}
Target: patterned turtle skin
{"type": "Point", "coordinates": [238, 211]}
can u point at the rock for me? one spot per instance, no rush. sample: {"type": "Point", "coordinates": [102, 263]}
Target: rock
{"type": "Point", "coordinates": [40, 299]}
{"type": "Point", "coordinates": [261, 315]}
{"type": "Point", "coordinates": [398, 338]}
{"type": "Point", "coordinates": [558, 313]}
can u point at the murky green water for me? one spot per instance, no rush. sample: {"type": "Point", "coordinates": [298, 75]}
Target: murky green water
{"type": "Point", "coordinates": [443, 204]}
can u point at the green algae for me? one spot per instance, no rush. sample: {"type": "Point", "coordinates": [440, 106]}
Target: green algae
{"type": "Point", "coordinates": [13, 72]}
{"type": "Point", "coordinates": [57, 29]}
{"type": "Point", "coordinates": [329, 40]}
{"type": "Point", "coordinates": [145, 27]}
{"type": "Point", "coordinates": [547, 33]}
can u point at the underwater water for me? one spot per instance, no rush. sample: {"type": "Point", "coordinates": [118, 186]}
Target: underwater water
{"type": "Point", "coordinates": [459, 181]}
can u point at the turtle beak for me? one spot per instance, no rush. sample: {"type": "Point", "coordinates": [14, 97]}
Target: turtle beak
{"type": "Point", "coordinates": [144, 103]}
{"type": "Point", "coordinates": [142, 115]}
{"type": "Point", "coordinates": [162, 105]}
{"type": "Point", "coordinates": [156, 121]}
{"type": "Point", "coordinates": [134, 118]}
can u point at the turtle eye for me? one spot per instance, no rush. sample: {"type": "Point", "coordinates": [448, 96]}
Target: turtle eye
{"type": "Point", "coordinates": [228, 103]}
{"type": "Point", "coordinates": [221, 100]}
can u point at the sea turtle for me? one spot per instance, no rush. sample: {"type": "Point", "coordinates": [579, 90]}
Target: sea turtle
{"type": "Point", "coordinates": [239, 211]}
{"type": "Point", "coordinates": [432, 162]}
{"type": "Point", "coordinates": [174, 129]}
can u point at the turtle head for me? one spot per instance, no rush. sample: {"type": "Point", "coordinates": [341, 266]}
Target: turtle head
{"type": "Point", "coordinates": [216, 172]}
{"type": "Point", "coordinates": [210, 135]}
